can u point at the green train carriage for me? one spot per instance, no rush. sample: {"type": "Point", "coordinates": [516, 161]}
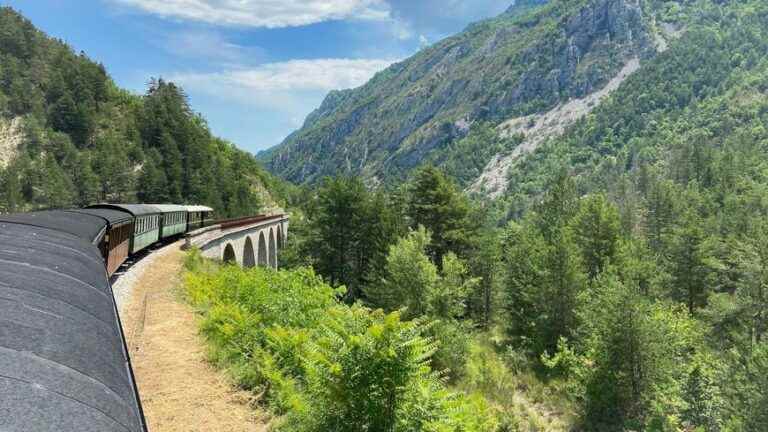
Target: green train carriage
{"type": "Point", "coordinates": [198, 216]}
{"type": "Point", "coordinates": [146, 226]}
{"type": "Point", "coordinates": [173, 221]}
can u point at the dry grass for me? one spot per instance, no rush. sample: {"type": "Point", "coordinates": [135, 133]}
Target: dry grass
{"type": "Point", "coordinates": [180, 390]}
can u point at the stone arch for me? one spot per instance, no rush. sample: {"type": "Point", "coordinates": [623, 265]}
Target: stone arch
{"type": "Point", "coordinates": [272, 249]}
{"type": "Point", "coordinates": [262, 256]}
{"type": "Point", "coordinates": [249, 256]}
{"type": "Point", "coordinates": [229, 255]}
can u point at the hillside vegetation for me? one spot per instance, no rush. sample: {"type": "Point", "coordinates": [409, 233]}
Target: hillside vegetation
{"type": "Point", "coordinates": [577, 316]}
{"type": "Point", "coordinates": [525, 61]}
{"type": "Point", "coordinates": [619, 283]}
{"type": "Point", "coordinates": [71, 137]}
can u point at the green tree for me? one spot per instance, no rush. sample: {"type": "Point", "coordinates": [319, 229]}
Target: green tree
{"type": "Point", "coordinates": [543, 282]}
{"type": "Point", "coordinates": [636, 356]}
{"type": "Point", "coordinates": [86, 182]}
{"type": "Point", "coordinates": [596, 230]}
{"type": "Point", "coordinates": [436, 203]}
{"type": "Point", "coordinates": [661, 213]}
{"type": "Point", "coordinates": [152, 183]}
{"type": "Point", "coordinates": [703, 398]}
{"type": "Point", "coordinates": [747, 389]}
{"type": "Point", "coordinates": [691, 262]}
{"type": "Point", "coordinates": [11, 193]}
{"type": "Point", "coordinates": [110, 163]}
{"type": "Point", "coordinates": [557, 209]}
{"type": "Point", "coordinates": [752, 287]}
{"type": "Point", "coordinates": [523, 250]}
{"type": "Point", "coordinates": [340, 212]}
{"type": "Point", "coordinates": [55, 187]}
{"type": "Point", "coordinates": [410, 277]}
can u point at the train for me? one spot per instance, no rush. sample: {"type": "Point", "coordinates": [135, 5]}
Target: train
{"type": "Point", "coordinates": [64, 365]}
{"type": "Point", "coordinates": [123, 229]}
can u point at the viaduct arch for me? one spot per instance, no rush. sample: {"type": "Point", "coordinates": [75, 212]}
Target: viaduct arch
{"type": "Point", "coordinates": [247, 244]}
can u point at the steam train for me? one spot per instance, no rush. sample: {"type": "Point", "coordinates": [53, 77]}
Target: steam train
{"type": "Point", "coordinates": [64, 365]}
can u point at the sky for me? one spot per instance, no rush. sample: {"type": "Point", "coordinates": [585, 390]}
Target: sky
{"type": "Point", "coordinates": [253, 68]}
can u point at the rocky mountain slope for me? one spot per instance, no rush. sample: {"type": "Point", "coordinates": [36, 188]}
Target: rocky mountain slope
{"type": "Point", "coordinates": [530, 61]}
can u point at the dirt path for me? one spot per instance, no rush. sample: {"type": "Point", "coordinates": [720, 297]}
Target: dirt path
{"type": "Point", "coordinates": [179, 390]}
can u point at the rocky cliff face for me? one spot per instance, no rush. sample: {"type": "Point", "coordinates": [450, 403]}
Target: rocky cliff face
{"type": "Point", "coordinates": [526, 61]}
{"type": "Point", "coordinates": [11, 137]}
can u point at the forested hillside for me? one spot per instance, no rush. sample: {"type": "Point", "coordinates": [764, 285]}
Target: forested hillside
{"type": "Point", "coordinates": [70, 137]}
{"type": "Point", "coordinates": [433, 105]}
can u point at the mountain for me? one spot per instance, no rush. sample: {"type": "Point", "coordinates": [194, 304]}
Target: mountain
{"type": "Point", "coordinates": [693, 116]}
{"type": "Point", "coordinates": [438, 105]}
{"type": "Point", "coordinates": [69, 136]}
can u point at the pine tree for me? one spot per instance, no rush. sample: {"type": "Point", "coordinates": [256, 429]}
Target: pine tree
{"type": "Point", "coordinates": [436, 204]}
{"type": "Point", "coordinates": [337, 221]}
{"type": "Point", "coordinates": [660, 215]}
{"type": "Point", "coordinates": [636, 356]}
{"type": "Point", "coordinates": [596, 230]}
{"type": "Point", "coordinates": [12, 194]}
{"type": "Point", "coordinates": [543, 282]}
{"type": "Point", "coordinates": [522, 256]}
{"type": "Point", "coordinates": [690, 262]}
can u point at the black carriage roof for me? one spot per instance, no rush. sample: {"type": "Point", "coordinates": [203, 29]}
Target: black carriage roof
{"type": "Point", "coordinates": [84, 226]}
{"type": "Point", "coordinates": [134, 209]}
{"type": "Point", "coordinates": [63, 364]}
{"type": "Point", "coordinates": [113, 216]}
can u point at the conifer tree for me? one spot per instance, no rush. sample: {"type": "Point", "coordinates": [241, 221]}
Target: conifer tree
{"type": "Point", "coordinates": [690, 262]}
{"type": "Point", "coordinates": [436, 204]}
{"type": "Point", "coordinates": [596, 231]}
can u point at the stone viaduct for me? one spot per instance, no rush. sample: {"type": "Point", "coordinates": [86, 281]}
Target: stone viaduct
{"type": "Point", "coordinates": [248, 241]}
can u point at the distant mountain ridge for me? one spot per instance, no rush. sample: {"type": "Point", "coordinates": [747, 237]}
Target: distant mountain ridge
{"type": "Point", "coordinates": [535, 56]}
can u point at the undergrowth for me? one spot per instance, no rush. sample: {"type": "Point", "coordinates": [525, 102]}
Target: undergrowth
{"type": "Point", "coordinates": [322, 365]}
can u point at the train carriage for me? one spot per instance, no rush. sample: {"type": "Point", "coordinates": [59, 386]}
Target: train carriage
{"type": "Point", "coordinates": [87, 227]}
{"type": "Point", "coordinates": [116, 244]}
{"type": "Point", "coordinates": [146, 223]}
{"type": "Point", "coordinates": [173, 221]}
{"type": "Point", "coordinates": [63, 362]}
{"type": "Point", "coordinates": [197, 216]}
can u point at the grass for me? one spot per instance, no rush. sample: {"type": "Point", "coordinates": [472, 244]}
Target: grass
{"type": "Point", "coordinates": [506, 379]}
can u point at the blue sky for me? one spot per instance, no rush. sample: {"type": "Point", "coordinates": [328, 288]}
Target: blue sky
{"type": "Point", "coordinates": [253, 68]}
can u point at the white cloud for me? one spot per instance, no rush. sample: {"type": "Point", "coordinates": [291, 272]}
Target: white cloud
{"type": "Point", "coordinates": [294, 87]}
{"type": "Point", "coordinates": [264, 13]}
{"type": "Point", "coordinates": [211, 46]}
